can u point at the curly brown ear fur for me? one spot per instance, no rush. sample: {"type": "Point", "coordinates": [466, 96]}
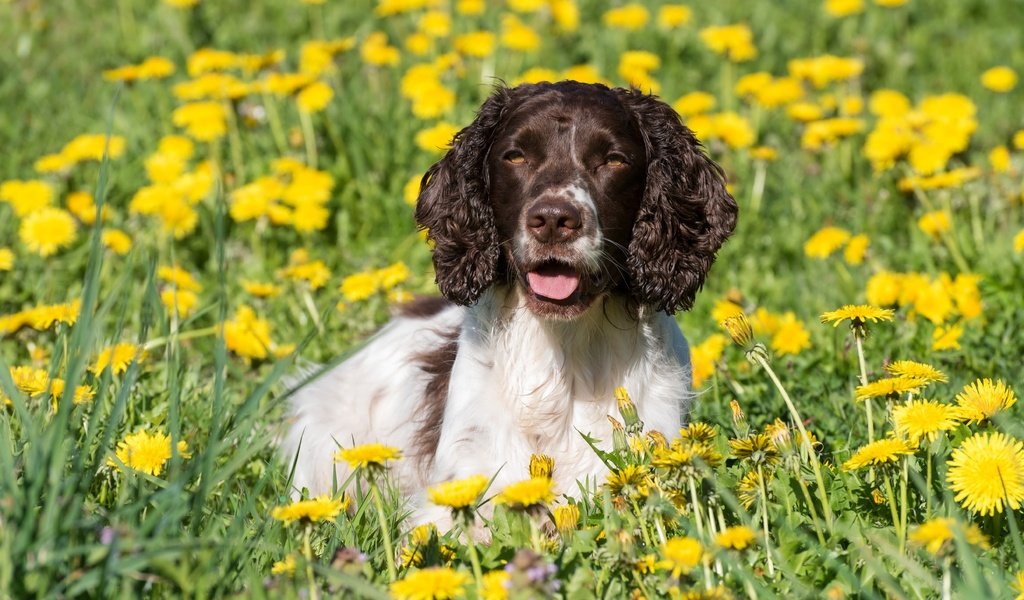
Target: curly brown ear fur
{"type": "Point", "coordinates": [686, 213]}
{"type": "Point", "coordinates": [454, 209]}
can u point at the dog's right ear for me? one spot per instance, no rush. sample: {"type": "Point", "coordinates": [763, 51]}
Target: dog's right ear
{"type": "Point", "coordinates": [453, 207]}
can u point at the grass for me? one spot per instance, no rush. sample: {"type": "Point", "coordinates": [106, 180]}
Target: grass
{"type": "Point", "coordinates": [75, 523]}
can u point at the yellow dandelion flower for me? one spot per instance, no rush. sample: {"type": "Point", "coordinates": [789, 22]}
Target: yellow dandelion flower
{"type": "Point", "coordinates": [435, 583]}
{"type": "Point", "coordinates": [314, 97]}
{"type": "Point", "coordinates": [541, 465]}
{"type": "Point", "coordinates": [261, 289]}
{"type": "Point", "coordinates": [855, 249]}
{"type": "Point", "coordinates": [736, 538]}
{"type": "Point", "coordinates": [47, 230]}
{"type": "Point", "coordinates": [1018, 585]}
{"type": "Point", "coordinates": [526, 494]}
{"type": "Point", "coordinates": [392, 275]}
{"type": "Point", "coordinates": [935, 223]}
{"type": "Point", "coordinates": [459, 494]}
{"type": "Point", "coordinates": [630, 17]}
{"type": "Point", "coordinates": [30, 380]}
{"type": "Point", "coordinates": [843, 8]}
{"type": "Point", "coordinates": [937, 535]}
{"type": "Point", "coordinates": [178, 277]}
{"type": "Point", "coordinates": [6, 259]}
{"type": "Point", "coordinates": [203, 121]}
{"type": "Point", "coordinates": [791, 337]}
{"type": "Point", "coordinates": [118, 357]}
{"type": "Point", "coordinates": [630, 481]}
{"type": "Point", "coordinates": [284, 567]}
{"type": "Point", "coordinates": [826, 241]}
{"type": "Point", "coordinates": [117, 241]}
{"type": "Point", "coordinates": [987, 473]}
{"type": "Point", "coordinates": [368, 456]}
{"type": "Point", "coordinates": [1018, 242]}
{"type": "Point", "coordinates": [748, 490]}
{"type": "Point", "coordinates": [310, 511]}
{"type": "Point", "coordinates": [247, 335]}
{"type": "Point", "coordinates": [147, 452]}
{"type": "Point", "coordinates": [980, 400]}
{"type": "Point", "coordinates": [437, 138]}
{"type": "Point", "coordinates": [478, 44]}
{"type": "Point", "coordinates": [734, 41]}
{"type": "Point", "coordinates": [999, 158]}
{"type": "Point", "coordinates": [947, 338]}
{"type": "Point", "coordinates": [915, 370]}
{"type": "Point", "coordinates": [857, 315]}
{"type": "Point", "coordinates": [495, 583]}
{"type": "Point", "coordinates": [681, 555]}
{"type": "Point", "coordinates": [359, 286]}
{"type": "Point", "coordinates": [879, 453]}
{"type": "Point", "coordinates": [757, 448]}
{"type": "Point", "coordinates": [890, 387]}
{"type": "Point", "coordinates": [314, 273]}
{"type": "Point", "coordinates": [179, 302]}
{"type": "Point", "coordinates": [923, 419]}
{"type": "Point", "coordinates": [26, 197]}
{"type": "Point", "coordinates": [703, 357]}
{"type": "Point", "coordinates": [671, 16]}
{"type": "Point", "coordinates": [566, 517]}
{"type": "Point", "coordinates": [999, 79]}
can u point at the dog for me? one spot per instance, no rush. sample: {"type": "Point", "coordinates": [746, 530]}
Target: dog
{"type": "Point", "coordinates": [569, 221]}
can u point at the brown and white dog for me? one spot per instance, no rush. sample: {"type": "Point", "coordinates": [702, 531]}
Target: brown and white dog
{"type": "Point", "coordinates": [569, 221]}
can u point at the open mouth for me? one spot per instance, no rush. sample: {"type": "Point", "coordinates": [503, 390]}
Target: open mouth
{"type": "Point", "coordinates": [555, 282]}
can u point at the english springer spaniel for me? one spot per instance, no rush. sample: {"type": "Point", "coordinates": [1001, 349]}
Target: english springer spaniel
{"type": "Point", "coordinates": [569, 221]}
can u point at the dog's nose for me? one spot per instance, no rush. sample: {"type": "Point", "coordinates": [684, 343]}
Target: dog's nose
{"type": "Point", "coordinates": [553, 221]}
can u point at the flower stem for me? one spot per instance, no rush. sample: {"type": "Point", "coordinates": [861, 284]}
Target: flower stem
{"type": "Point", "coordinates": [180, 337]}
{"type": "Point", "coordinates": [903, 503]}
{"type": "Point", "coordinates": [764, 521]}
{"type": "Point", "coordinates": [385, 530]}
{"type": "Point", "coordinates": [308, 136]}
{"type": "Point", "coordinates": [928, 489]}
{"type": "Point", "coordinates": [307, 552]}
{"type": "Point", "coordinates": [891, 496]}
{"type": "Point", "coordinates": [864, 381]}
{"type": "Point", "coordinates": [696, 507]}
{"type": "Point", "coordinates": [474, 558]}
{"type": "Point", "coordinates": [643, 524]}
{"type": "Point", "coordinates": [806, 440]}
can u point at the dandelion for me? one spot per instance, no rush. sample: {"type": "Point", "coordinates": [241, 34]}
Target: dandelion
{"type": "Point", "coordinates": [947, 338]}
{"type": "Point", "coordinates": [435, 583]}
{"type": "Point", "coordinates": [890, 387]}
{"type": "Point", "coordinates": [857, 315]}
{"type": "Point", "coordinates": [757, 448]}
{"type": "Point", "coordinates": [843, 8]}
{"type": "Point", "coordinates": [879, 453]}
{"type": "Point", "coordinates": [987, 472]}
{"type": "Point", "coordinates": [699, 432]}
{"type": "Point", "coordinates": [47, 230]}
{"type": "Point", "coordinates": [541, 465]}
{"type": "Point", "coordinates": [935, 223]}
{"type": "Point", "coordinates": [937, 535]}
{"type": "Point", "coordinates": [1018, 242]}
{"type": "Point", "coordinates": [117, 241]}
{"type": "Point", "coordinates": [980, 400]}
{"type": "Point", "coordinates": [671, 16]}
{"type": "Point", "coordinates": [734, 41]}
{"type": "Point", "coordinates": [368, 456]}
{"type": "Point", "coordinates": [118, 357]}
{"type": "Point", "coordinates": [477, 44]}
{"type": "Point", "coordinates": [460, 494]}
{"type": "Point", "coordinates": [825, 241]}
{"type": "Point", "coordinates": [791, 337]}
{"type": "Point", "coordinates": [314, 510]}
{"type": "Point", "coordinates": [147, 452]}
{"type": "Point", "coordinates": [999, 79]}
{"type": "Point", "coordinates": [359, 286]}
{"type": "Point", "coordinates": [630, 17]}
{"type": "Point", "coordinates": [738, 537]}
{"type": "Point", "coordinates": [437, 138]}
{"type": "Point", "coordinates": [6, 259]}
{"type": "Point", "coordinates": [915, 370]}
{"type": "Point", "coordinates": [631, 481]}
{"type": "Point", "coordinates": [681, 555]}
{"type": "Point", "coordinates": [284, 567]}
{"type": "Point", "coordinates": [923, 419]}
{"type": "Point", "coordinates": [739, 330]}
{"type": "Point", "coordinates": [566, 518]}
{"type": "Point", "coordinates": [314, 97]}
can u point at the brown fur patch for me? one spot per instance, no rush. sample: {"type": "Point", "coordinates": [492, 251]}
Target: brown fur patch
{"type": "Point", "coordinates": [437, 364]}
{"type": "Point", "coordinates": [423, 307]}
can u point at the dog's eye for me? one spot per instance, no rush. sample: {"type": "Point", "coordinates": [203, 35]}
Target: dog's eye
{"type": "Point", "coordinates": [515, 157]}
{"type": "Point", "coordinates": [615, 160]}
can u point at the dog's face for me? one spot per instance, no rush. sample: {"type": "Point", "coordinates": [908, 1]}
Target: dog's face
{"type": "Point", "coordinates": [566, 180]}
{"type": "Point", "coordinates": [572, 191]}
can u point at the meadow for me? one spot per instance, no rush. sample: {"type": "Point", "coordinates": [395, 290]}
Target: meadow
{"type": "Point", "coordinates": [199, 198]}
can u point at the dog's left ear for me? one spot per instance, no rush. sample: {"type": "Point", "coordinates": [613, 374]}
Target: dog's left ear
{"type": "Point", "coordinates": [686, 213]}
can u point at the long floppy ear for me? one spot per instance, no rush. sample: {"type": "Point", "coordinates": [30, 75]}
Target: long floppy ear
{"type": "Point", "coordinates": [454, 209]}
{"type": "Point", "coordinates": [686, 213]}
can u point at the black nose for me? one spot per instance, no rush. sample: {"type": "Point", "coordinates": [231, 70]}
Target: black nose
{"type": "Point", "coordinates": [553, 220]}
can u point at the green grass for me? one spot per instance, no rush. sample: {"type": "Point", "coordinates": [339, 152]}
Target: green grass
{"type": "Point", "coordinates": [72, 525]}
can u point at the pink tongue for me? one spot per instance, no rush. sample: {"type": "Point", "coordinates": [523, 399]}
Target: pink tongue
{"type": "Point", "coordinates": [554, 283]}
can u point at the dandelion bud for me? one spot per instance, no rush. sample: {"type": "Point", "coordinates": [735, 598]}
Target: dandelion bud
{"type": "Point", "coordinates": [618, 435]}
{"type": "Point", "coordinates": [781, 436]}
{"type": "Point", "coordinates": [739, 420]}
{"type": "Point", "coordinates": [758, 354]}
{"type": "Point", "coordinates": [541, 465]}
{"type": "Point", "coordinates": [657, 439]}
{"type": "Point", "coordinates": [626, 408]}
{"type": "Point", "coordinates": [877, 497]}
{"type": "Point", "coordinates": [739, 330]}
{"type": "Point", "coordinates": [566, 518]}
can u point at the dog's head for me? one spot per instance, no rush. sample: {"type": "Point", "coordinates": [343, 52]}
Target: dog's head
{"type": "Point", "coordinates": [572, 191]}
